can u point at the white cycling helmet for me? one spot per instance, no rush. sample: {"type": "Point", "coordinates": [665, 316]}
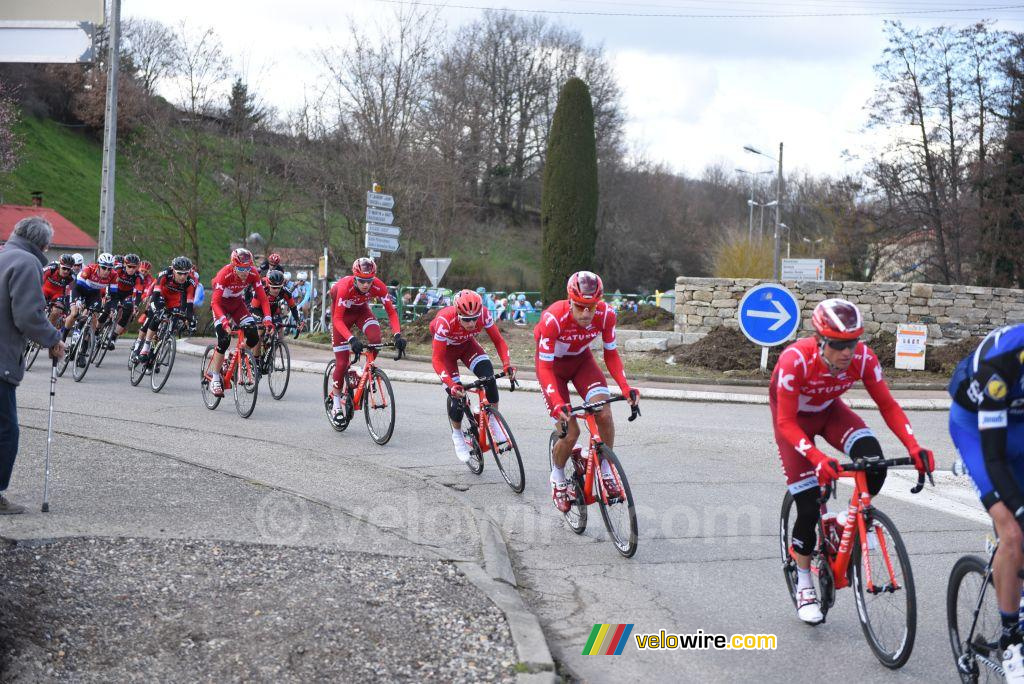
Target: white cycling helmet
{"type": "Point", "coordinates": [287, 275]}
{"type": "Point", "coordinates": [105, 259]}
{"type": "Point", "coordinates": [79, 259]}
{"type": "Point", "coordinates": [301, 275]}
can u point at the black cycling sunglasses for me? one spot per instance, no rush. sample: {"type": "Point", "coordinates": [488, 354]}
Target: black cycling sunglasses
{"type": "Point", "coordinates": [842, 345]}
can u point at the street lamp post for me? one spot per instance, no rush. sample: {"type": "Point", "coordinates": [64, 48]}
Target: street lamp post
{"type": "Point", "coordinates": [751, 202]}
{"type": "Point", "coordinates": [778, 199]}
{"type": "Point", "coordinates": [784, 227]}
{"type": "Point", "coordinates": [763, 206]}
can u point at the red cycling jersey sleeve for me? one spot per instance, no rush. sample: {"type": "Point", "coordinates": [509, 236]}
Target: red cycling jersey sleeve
{"type": "Point", "coordinates": [545, 333]}
{"type": "Point", "coordinates": [611, 353]}
{"type": "Point", "coordinates": [892, 413]}
{"type": "Point", "coordinates": [789, 376]}
{"type": "Point", "coordinates": [499, 342]}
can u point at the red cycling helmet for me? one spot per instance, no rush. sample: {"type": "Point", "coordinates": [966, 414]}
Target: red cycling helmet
{"type": "Point", "coordinates": [241, 258]}
{"type": "Point", "coordinates": [145, 266]}
{"type": "Point", "coordinates": [468, 304]}
{"type": "Point", "coordinates": [838, 319]}
{"type": "Point", "coordinates": [274, 260]}
{"type": "Point", "coordinates": [585, 288]}
{"type": "Point", "coordinates": [364, 267]}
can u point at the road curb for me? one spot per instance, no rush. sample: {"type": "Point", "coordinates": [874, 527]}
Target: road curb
{"type": "Point", "coordinates": [190, 349]}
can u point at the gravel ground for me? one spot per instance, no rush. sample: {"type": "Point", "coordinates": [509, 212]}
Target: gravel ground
{"type": "Point", "coordinates": [105, 609]}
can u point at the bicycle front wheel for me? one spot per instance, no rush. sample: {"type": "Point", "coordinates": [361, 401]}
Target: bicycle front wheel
{"type": "Point", "coordinates": [83, 354]}
{"type": "Point", "coordinates": [163, 361]}
{"type": "Point", "coordinates": [975, 661]}
{"type": "Point", "coordinates": [210, 399]}
{"type": "Point", "coordinates": [280, 370]}
{"type": "Point", "coordinates": [619, 512]}
{"type": "Point", "coordinates": [246, 385]}
{"type": "Point", "coordinates": [887, 607]}
{"type": "Point", "coordinates": [506, 451]}
{"type": "Point", "coordinates": [103, 339]}
{"type": "Point", "coordinates": [31, 352]}
{"type": "Point", "coordinates": [136, 370]}
{"type": "Point", "coordinates": [69, 355]}
{"type": "Point", "coordinates": [379, 407]}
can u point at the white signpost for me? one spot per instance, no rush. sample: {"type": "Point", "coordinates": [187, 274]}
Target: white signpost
{"type": "Point", "coordinates": [379, 216]}
{"type": "Point", "coordinates": [803, 269]}
{"type": "Point", "coordinates": [910, 345]}
{"type": "Point", "coordinates": [380, 235]}
{"type": "Point", "coordinates": [381, 244]}
{"type": "Point", "coordinates": [387, 231]}
{"type": "Point", "coordinates": [376, 199]}
{"type": "Point", "coordinates": [435, 269]}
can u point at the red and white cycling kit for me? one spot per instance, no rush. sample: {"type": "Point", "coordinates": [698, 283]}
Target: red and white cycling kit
{"type": "Point", "coordinates": [805, 403]}
{"type": "Point", "coordinates": [351, 309]}
{"type": "Point", "coordinates": [228, 300]}
{"type": "Point", "coordinates": [175, 295]}
{"type": "Point", "coordinates": [56, 285]}
{"type": "Point", "coordinates": [563, 354]}
{"type": "Point", "coordinates": [453, 343]}
{"type": "Point", "coordinates": [91, 284]}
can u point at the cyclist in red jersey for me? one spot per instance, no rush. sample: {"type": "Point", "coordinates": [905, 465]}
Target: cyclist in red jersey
{"type": "Point", "coordinates": [810, 376]}
{"type": "Point", "coordinates": [563, 336]}
{"type": "Point", "coordinates": [455, 329]}
{"type": "Point", "coordinates": [57, 280]}
{"type": "Point", "coordinates": [90, 287]}
{"type": "Point", "coordinates": [277, 297]}
{"type": "Point", "coordinates": [123, 292]}
{"type": "Point", "coordinates": [145, 282]}
{"type": "Point", "coordinates": [229, 309]}
{"type": "Point", "coordinates": [350, 298]}
{"type": "Point", "coordinates": [173, 290]}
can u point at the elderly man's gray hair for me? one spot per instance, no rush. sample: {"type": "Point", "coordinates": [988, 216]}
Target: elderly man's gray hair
{"type": "Point", "coordinates": [36, 230]}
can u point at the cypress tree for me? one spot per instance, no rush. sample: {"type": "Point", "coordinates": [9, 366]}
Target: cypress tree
{"type": "Point", "coordinates": [568, 209]}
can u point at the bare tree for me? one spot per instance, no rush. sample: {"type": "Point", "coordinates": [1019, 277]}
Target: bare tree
{"type": "Point", "coordinates": [151, 49]}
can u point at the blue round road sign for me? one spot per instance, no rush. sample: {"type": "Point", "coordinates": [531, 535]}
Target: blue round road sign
{"type": "Point", "coordinates": [769, 314]}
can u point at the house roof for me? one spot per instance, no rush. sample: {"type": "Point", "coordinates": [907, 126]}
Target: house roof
{"type": "Point", "coordinates": [65, 233]}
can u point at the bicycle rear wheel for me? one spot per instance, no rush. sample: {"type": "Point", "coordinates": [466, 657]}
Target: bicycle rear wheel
{"type": "Point", "coordinates": [136, 370]}
{"type": "Point", "coordinates": [506, 452]}
{"type": "Point", "coordinates": [821, 571]}
{"type": "Point", "coordinates": [978, 660]}
{"type": "Point", "coordinates": [246, 385]}
{"type": "Point", "coordinates": [210, 399]}
{"type": "Point", "coordinates": [576, 516]}
{"type": "Point", "coordinates": [888, 609]}
{"type": "Point", "coordinates": [69, 355]}
{"type": "Point", "coordinates": [379, 407]}
{"type": "Point", "coordinates": [280, 370]}
{"type": "Point", "coordinates": [620, 513]}
{"type": "Point", "coordinates": [103, 339]}
{"type": "Point", "coordinates": [83, 353]}
{"type": "Point", "coordinates": [163, 362]}
{"type": "Point", "coordinates": [340, 422]}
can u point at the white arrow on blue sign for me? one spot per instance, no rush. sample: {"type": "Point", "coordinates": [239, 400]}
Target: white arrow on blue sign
{"type": "Point", "coordinates": [769, 314]}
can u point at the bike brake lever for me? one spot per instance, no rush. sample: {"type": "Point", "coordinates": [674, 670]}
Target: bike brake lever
{"type": "Point", "coordinates": [920, 483]}
{"type": "Point", "coordinates": [512, 384]}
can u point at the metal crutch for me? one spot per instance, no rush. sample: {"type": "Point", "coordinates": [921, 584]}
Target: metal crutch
{"type": "Point", "coordinates": [49, 439]}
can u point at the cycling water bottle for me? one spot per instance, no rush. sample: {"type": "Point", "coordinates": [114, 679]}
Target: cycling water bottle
{"type": "Point", "coordinates": [829, 525]}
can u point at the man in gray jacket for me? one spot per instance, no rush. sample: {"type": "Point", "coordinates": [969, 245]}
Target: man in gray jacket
{"type": "Point", "coordinates": [22, 315]}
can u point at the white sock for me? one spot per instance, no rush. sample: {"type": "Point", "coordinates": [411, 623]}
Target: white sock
{"type": "Point", "coordinates": [337, 402]}
{"type": "Point", "coordinates": [215, 376]}
{"type": "Point", "coordinates": [145, 346]}
{"type": "Point", "coordinates": [803, 579]}
{"type": "Point", "coordinates": [557, 474]}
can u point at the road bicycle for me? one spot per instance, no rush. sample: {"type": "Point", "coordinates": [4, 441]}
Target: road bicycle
{"type": "Point", "coordinates": [586, 486]}
{"type": "Point", "coordinates": [163, 353]}
{"type": "Point", "coordinates": [370, 391]}
{"type": "Point", "coordinates": [239, 372]}
{"type": "Point", "coordinates": [31, 348]}
{"type": "Point", "coordinates": [106, 332]}
{"type": "Point", "coordinates": [478, 429]}
{"type": "Point", "coordinates": [276, 362]}
{"type": "Point", "coordinates": [972, 616]}
{"type": "Point", "coordinates": [83, 338]}
{"type": "Point", "coordinates": [864, 551]}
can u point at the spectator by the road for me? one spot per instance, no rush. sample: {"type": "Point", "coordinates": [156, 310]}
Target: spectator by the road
{"type": "Point", "coordinates": [22, 317]}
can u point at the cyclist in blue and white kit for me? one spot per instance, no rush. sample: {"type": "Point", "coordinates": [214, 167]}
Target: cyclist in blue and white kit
{"type": "Point", "coordinates": [986, 422]}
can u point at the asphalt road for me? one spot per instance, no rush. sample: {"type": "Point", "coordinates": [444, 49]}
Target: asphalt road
{"type": "Point", "coordinates": [705, 477]}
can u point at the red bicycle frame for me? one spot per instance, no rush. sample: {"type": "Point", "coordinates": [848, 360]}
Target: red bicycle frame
{"type": "Point", "coordinates": [229, 372]}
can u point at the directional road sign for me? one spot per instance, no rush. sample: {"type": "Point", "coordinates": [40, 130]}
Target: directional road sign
{"type": "Point", "coordinates": [376, 199]}
{"type": "Point", "coordinates": [373, 253]}
{"type": "Point", "coordinates": [381, 244]}
{"type": "Point", "coordinates": [769, 314]}
{"type": "Point", "coordinates": [435, 269]}
{"type": "Point", "coordinates": [379, 216]}
{"type": "Point", "coordinates": [387, 231]}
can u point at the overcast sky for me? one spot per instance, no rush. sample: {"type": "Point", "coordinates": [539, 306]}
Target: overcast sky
{"type": "Point", "coordinates": [696, 87]}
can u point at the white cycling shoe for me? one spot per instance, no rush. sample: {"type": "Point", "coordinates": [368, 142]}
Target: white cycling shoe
{"type": "Point", "coordinates": [1013, 664]}
{"type": "Point", "coordinates": [808, 608]}
{"type": "Point", "coordinates": [461, 448]}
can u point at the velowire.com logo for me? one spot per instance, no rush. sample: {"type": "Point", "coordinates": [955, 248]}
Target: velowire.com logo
{"type": "Point", "coordinates": [606, 639]}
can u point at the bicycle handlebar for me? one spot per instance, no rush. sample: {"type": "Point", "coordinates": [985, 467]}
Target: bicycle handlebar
{"type": "Point", "coordinates": [870, 465]}
{"type": "Point", "coordinates": [480, 382]}
{"type": "Point", "coordinates": [377, 346]}
{"type": "Point", "coordinates": [592, 407]}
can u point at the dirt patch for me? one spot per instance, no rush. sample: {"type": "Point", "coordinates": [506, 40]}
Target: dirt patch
{"type": "Point", "coordinates": [725, 349]}
{"type": "Point", "coordinates": [646, 317]}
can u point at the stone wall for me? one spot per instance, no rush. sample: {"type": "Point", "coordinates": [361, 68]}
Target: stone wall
{"type": "Point", "coordinates": [951, 312]}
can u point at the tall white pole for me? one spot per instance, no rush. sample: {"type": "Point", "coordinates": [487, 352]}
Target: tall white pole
{"type": "Point", "coordinates": [106, 231]}
{"type": "Point", "coordinates": [778, 208]}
